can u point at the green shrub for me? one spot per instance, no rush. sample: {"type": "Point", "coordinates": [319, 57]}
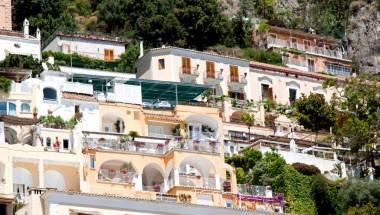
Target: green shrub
{"type": "Point", "coordinates": [263, 56]}
{"type": "Point", "coordinates": [306, 169]}
{"type": "Point", "coordinates": [22, 62]}
{"type": "Point", "coordinates": [5, 84]}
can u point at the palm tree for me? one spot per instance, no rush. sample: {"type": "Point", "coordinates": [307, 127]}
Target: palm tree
{"type": "Point", "coordinates": [248, 119]}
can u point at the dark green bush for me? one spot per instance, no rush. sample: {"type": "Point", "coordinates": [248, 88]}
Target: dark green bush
{"type": "Point", "coordinates": [306, 169]}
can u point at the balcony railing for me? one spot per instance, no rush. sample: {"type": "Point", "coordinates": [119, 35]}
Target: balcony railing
{"type": "Point", "coordinates": [154, 188]}
{"type": "Point", "coordinates": [21, 88]}
{"type": "Point", "coordinates": [237, 80]}
{"type": "Point", "coordinates": [77, 87]}
{"type": "Point", "coordinates": [279, 43]}
{"type": "Point", "coordinates": [295, 62]}
{"type": "Point", "coordinates": [213, 76]}
{"type": "Point", "coordinates": [116, 176]}
{"type": "Point", "coordinates": [192, 71]}
{"type": "Point", "coordinates": [112, 142]}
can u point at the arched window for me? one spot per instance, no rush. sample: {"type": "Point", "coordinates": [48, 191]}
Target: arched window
{"type": "Point", "coordinates": [50, 94]}
{"type": "Point", "coordinates": [25, 108]}
{"type": "Point", "coordinates": [12, 108]}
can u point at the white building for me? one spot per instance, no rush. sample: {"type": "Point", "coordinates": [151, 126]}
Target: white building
{"type": "Point", "coordinates": [97, 47]}
{"type": "Point", "coordinates": [20, 43]}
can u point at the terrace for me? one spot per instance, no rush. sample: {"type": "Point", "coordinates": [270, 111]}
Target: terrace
{"type": "Point", "coordinates": [146, 145]}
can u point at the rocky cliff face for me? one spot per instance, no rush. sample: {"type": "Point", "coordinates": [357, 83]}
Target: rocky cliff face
{"type": "Point", "coordinates": [363, 35]}
{"type": "Point", "coordinates": [362, 39]}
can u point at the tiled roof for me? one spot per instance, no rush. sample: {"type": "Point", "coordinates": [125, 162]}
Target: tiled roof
{"type": "Point", "coordinates": [92, 37]}
{"type": "Point", "coordinates": [14, 34]}
{"type": "Point", "coordinates": [302, 33]}
{"type": "Point", "coordinates": [14, 120]}
{"type": "Point", "coordinates": [78, 96]}
{"type": "Point", "coordinates": [274, 68]}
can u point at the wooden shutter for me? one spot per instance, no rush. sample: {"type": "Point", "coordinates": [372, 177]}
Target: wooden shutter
{"type": "Point", "coordinates": [210, 69]}
{"type": "Point", "coordinates": [108, 55]}
{"type": "Point", "coordinates": [186, 68]}
{"type": "Point", "coordinates": [234, 73]}
{"type": "Point", "coordinates": [270, 93]}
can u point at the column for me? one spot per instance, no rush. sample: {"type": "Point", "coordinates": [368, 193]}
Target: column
{"type": "Point", "coordinates": [8, 173]}
{"type": "Point", "coordinates": [176, 177]}
{"type": "Point", "coordinates": [41, 182]}
{"type": "Point", "coordinates": [217, 182]}
{"type": "Point", "coordinates": [139, 184]}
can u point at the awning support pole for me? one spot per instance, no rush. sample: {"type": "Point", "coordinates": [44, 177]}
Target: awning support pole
{"type": "Point", "coordinates": [176, 95]}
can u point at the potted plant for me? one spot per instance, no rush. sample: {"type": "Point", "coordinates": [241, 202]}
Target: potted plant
{"type": "Point", "coordinates": [133, 134]}
{"type": "Point", "coordinates": [126, 167]}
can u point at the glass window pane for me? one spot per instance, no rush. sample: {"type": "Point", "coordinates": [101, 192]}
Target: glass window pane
{"type": "Point", "coordinates": [25, 108]}
{"type": "Point", "coordinates": [12, 109]}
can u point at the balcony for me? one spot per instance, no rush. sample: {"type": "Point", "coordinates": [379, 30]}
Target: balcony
{"type": "Point", "coordinates": [189, 74]}
{"type": "Point", "coordinates": [279, 43]}
{"type": "Point", "coordinates": [295, 62]}
{"type": "Point", "coordinates": [76, 87]}
{"type": "Point", "coordinates": [213, 77]}
{"type": "Point", "coordinates": [147, 145]}
{"type": "Point", "coordinates": [196, 181]}
{"type": "Point", "coordinates": [237, 83]}
{"type": "Point", "coordinates": [116, 176]}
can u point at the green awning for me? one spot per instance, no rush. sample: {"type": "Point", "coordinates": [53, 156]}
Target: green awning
{"type": "Point", "coordinates": [169, 91]}
{"type": "Point", "coordinates": [99, 83]}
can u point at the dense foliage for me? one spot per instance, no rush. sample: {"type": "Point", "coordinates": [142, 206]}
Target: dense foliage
{"type": "Point", "coordinates": [5, 84]}
{"type": "Point", "coordinates": [22, 62]}
{"type": "Point", "coordinates": [124, 64]}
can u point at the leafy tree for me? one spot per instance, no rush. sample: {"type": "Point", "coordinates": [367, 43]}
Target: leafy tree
{"type": "Point", "coordinates": [128, 58]}
{"type": "Point", "coordinates": [266, 169]}
{"type": "Point", "coordinates": [360, 192]}
{"type": "Point", "coordinates": [48, 15]}
{"type": "Point", "coordinates": [22, 62]}
{"type": "Point", "coordinates": [297, 190]}
{"type": "Point", "coordinates": [248, 119]}
{"type": "Point", "coordinates": [325, 194]}
{"type": "Point", "coordinates": [306, 169]}
{"type": "Point", "coordinates": [313, 112]}
{"type": "Point", "coordinates": [368, 209]}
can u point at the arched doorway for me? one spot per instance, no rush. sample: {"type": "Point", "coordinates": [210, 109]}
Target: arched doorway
{"type": "Point", "coordinates": [22, 181]}
{"type": "Point", "coordinates": [153, 178]}
{"type": "Point", "coordinates": [197, 171]}
{"type": "Point", "coordinates": [112, 123]}
{"type": "Point", "coordinates": [117, 171]}
{"type": "Point", "coordinates": [54, 179]}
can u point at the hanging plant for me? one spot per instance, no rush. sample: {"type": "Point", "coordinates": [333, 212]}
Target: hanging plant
{"type": "Point", "coordinates": [5, 84]}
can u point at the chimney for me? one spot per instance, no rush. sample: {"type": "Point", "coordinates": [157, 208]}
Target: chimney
{"type": "Point", "coordinates": [38, 34]}
{"type": "Point", "coordinates": [141, 49]}
{"type": "Point", "coordinates": [26, 28]}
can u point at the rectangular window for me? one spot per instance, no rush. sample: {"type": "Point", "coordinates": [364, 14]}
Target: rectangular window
{"type": "Point", "coordinates": [266, 92]}
{"type": "Point", "coordinates": [161, 64]}
{"type": "Point", "coordinates": [65, 144]}
{"type": "Point", "coordinates": [234, 74]}
{"type": "Point", "coordinates": [306, 44]}
{"type": "Point", "coordinates": [77, 109]}
{"type": "Point", "coordinates": [108, 55]}
{"type": "Point", "coordinates": [310, 65]}
{"type": "Point", "coordinates": [92, 161]}
{"type": "Point", "coordinates": [66, 48]}
{"type": "Point", "coordinates": [210, 69]}
{"type": "Point", "coordinates": [293, 42]}
{"type": "Point", "coordinates": [186, 65]}
{"type": "Point", "coordinates": [292, 95]}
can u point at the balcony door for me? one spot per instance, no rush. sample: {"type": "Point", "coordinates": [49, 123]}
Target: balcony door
{"type": "Point", "coordinates": [186, 65]}
{"type": "Point", "coordinates": [234, 74]}
{"type": "Point", "coordinates": [310, 65]}
{"type": "Point", "coordinates": [210, 69]}
{"type": "Point", "coordinates": [266, 92]}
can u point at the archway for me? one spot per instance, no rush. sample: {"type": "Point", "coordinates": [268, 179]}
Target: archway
{"type": "Point", "coordinates": [112, 123]}
{"type": "Point", "coordinates": [153, 178]}
{"type": "Point", "coordinates": [117, 171]}
{"type": "Point", "coordinates": [22, 181]}
{"type": "Point", "coordinates": [197, 171]}
{"type": "Point", "coordinates": [54, 179]}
